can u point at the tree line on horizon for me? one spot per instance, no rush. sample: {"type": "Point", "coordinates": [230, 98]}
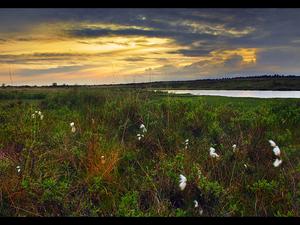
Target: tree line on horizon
{"type": "Point", "coordinates": [54, 84]}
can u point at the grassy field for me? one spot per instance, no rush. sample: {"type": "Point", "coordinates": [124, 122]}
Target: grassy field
{"type": "Point", "coordinates": [103, 169]}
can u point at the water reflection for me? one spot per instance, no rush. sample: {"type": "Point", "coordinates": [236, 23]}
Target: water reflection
{"type": "Point", "coordinates": [240, 93]}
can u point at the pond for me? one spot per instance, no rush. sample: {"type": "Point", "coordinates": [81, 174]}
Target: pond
{"type": "Point", "coordinates": [240, 93]}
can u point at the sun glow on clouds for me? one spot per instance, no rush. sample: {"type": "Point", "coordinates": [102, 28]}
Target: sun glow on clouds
{"type": "Point", "coordinates": [49, 49]}
{"type": "Point", "coordinates": [248, 54]}
{"type": "Point", "coordinates": [47, 53]}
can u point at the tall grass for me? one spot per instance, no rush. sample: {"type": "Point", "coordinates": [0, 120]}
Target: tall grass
{"type": "Point", "coordinates": [104, 170]}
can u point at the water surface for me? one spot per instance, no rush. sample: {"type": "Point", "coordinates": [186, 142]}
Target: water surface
{"type": "Point", "coordinates": [240, 93]}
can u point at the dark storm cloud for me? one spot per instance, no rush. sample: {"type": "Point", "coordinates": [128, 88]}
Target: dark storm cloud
{"type": "Point", "coordinates": [233, 61]}
{"type": "Point", "coordinates": [287, 57]}
{"type": "Point", "coordinates": [272, 26]}
{"type": "Point", "coordinates": [61, 69]}
{"type": "Point", "coordinates": [92, 33]}
{"type": "Point", "coordinates": [192, 52]}
{"type": "Point", "coordinates": [36, 58]}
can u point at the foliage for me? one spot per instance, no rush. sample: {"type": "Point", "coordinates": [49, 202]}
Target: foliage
{"type": "Point", "coordinates": [104, 170]}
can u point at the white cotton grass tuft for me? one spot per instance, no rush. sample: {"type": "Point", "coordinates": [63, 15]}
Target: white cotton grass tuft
{"type": "Point", "coordinates": [234, 147]}
{"type": "Point", "coordinates": [186, 143]}
{"type": "Point", "coordinates": [272, 143]}
{"type": "Point", "coordinates": [37, 113]}
{"type": "Point", "coordinates": [18, 169]}
{"type": "Point", "coordinates": [103, 159]}
{"type": "Point", "coordinates": [212, 153]}
{"type": "Point", "coordinates": [276, 150]}
{"type": "Point", "coordinates": [73, 128]}
{"type": "Point", "coordinates": [182, 182]}
{"type": "Point", "coordinates": [140, 136]}
{"type": "Point", "coordinates": [211, 149]}
{"type": "Point", "coordinates": [144, 129]}
{"type": "Point", "coordinates": [277, 162]}
{"type": "Point", "coordinates": [196, 203]}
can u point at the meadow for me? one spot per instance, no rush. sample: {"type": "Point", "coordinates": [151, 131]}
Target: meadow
{"type": "Point", "coordinates": [120, 152]}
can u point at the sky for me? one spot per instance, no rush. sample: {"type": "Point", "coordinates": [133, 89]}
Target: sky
{"type": "Point", "coordinates": [109, 46]}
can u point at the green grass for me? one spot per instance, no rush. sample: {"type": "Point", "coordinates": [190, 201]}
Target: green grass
{"type": "Point", "coordinates": [63, 174]}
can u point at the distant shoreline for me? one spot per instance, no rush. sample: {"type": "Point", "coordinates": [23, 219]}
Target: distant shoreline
{"type": "Point", "coordinates": [265, 82]}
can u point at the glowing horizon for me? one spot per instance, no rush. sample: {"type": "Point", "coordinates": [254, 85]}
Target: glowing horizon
{"type": "Point", "coordinates": [103, 46]}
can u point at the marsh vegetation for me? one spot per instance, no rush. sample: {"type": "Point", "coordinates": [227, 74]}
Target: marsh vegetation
{"type": "Point", "coordinates": [89, 155]}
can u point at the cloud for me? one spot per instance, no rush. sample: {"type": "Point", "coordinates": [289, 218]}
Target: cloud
{"type": "Point", "coordinates": [175, 43]}
{"type": "Point", "coordinates": [39, 57]}
{"type": "Point", "coordinates": [283, 57]}
{"type": "Point", "coordinates": [134, 59]}
{"type": "Point", "coordinates": [192, 52]}
{"type": "Point", "coordinates": [233, 61]}
{"type": "Point", "coordinates": [61, 69]}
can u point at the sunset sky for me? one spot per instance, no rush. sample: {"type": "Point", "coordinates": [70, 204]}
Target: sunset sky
{"type": "Point", "coordinates": [102, 46]}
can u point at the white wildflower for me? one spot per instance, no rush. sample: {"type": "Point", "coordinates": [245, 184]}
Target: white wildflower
{"type": "Point", "coordinates": [140, 136]}
{"type": "Point", "coordinates": [245, 165]}
{"type": "Point", "coordinates": [196, 203]}
{"type": "Point", "coordinates": [102, 159]}
{"type": "Point", "coordinates": [272, 143]}
{"type": "Point", "coordinates": [277, 162]}
{"type": "Point", "coordinates": [276, 150]}
{"type": "Point", "coordinates": [37, 113]}
{"type": "Point", "coordinates": [234, 147]}
{"type": "Point", "coordinates": [18, 169]}
{"type": "Point", "coordinates": [73, 129]}
{"type": "Point", "coordinates": [186, 143]}
{"type": "Point", "coordinates": [142, 126]}
{"type": "Point", "coordinates": [182, 182]}
{"type": "Point", "coordinates": [212, 153]}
